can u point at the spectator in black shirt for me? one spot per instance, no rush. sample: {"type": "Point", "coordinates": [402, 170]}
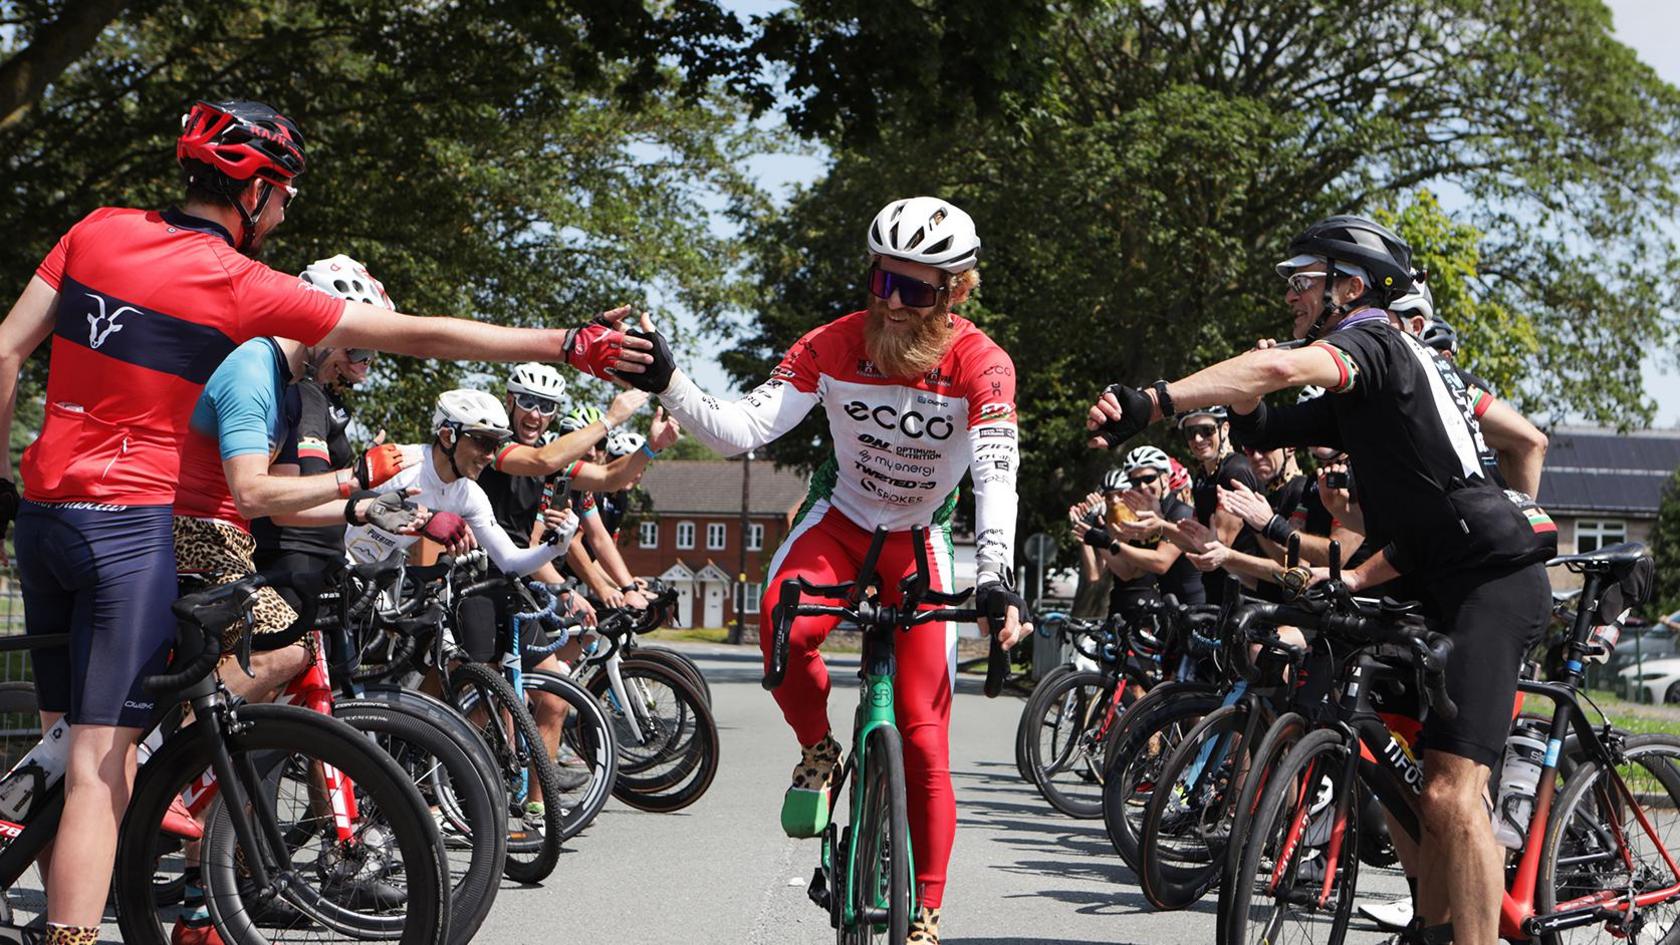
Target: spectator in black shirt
{"type": "Point", "coordinates": [1213, 464]}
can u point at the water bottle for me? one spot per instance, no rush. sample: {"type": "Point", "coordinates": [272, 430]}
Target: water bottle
{"type": "Point", "coordinates": [1525, 750]}
{"type": "Point", "coordinates": [1603, 642]}
{"type": "Point", "coordinates": [23, 786]}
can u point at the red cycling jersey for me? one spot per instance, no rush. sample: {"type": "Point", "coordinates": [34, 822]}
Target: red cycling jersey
{"type": "Point", "coordinates": [149, 303]}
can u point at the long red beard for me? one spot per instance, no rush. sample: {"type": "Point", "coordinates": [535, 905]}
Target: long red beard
{"type": "Point", "coordinates": [906, 350]}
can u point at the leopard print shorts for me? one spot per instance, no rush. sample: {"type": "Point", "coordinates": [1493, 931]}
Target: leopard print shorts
{"type": "Point", "coordinates": [226, 553]}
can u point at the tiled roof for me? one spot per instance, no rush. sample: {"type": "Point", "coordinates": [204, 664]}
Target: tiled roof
{"type": "Point", "coordinates": [1596, 470]}
{"type": "Point", "coordinates": [699, 487]}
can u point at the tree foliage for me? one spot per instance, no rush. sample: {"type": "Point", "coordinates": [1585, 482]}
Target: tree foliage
{"type": "Point", "coordinates": [1134, 199]}
{"type": "Point", "coordinates": [1665, 549]}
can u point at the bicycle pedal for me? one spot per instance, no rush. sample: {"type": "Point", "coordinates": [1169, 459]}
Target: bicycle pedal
{"type": "Point", "coordinates": [817, 889]}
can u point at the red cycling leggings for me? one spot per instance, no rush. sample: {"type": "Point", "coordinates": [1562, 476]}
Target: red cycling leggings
{"type": "Point", "coordinates": [825, 547]}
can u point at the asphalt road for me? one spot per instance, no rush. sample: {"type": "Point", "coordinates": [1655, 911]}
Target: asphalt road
{"type": "Point", "coordinates": [722, 872]}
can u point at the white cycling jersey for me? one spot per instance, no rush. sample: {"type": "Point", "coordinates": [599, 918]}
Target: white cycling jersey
{"type": "Point", "coordinates": [901, 445]}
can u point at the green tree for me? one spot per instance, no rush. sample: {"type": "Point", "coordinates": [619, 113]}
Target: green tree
{"type": "Point", "coordinates": [1135, 196]}
{"type": "Point", "coordinates": [1665, 549]}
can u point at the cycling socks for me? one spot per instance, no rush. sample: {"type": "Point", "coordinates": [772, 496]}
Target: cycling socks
{"type": "Point", "coordinates": [805, 807]}
{"type": "Point", "coordinates": [924, 929]}
{"type": "Point", "coordinates": [72, 934]}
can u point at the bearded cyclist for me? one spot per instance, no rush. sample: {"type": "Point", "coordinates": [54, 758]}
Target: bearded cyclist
{"type": "Point", "coordinates": [1476, 553]}
{"type": "Point", "coordinates": [143, 306]}
{"type": "Point", "coordinates": [915, 397]}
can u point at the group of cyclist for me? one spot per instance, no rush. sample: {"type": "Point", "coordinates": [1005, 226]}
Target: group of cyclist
{"type": "Point", "coordinates": [195, 418]}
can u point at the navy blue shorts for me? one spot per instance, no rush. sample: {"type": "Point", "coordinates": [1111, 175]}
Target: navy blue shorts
{"type": "Point", "coordinates": [107, 578]}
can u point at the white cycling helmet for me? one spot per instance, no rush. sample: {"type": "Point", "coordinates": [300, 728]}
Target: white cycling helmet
{"type": "Point", "coordinates": [1419, 301]}
{"type": "Point", "coordinates": [623, 443]}
{"type": "Point", "coordinates": [1148, 457]}
{"type": "Point", "coordinates": [926, 230]}
{"type": "Point", "coordinates": [538, 380]}
{"type": "Point", "coordinates": [1115, 481]}
{"type": "Point", "coordinates": [1219, 414]}
{"type": "Point", "coordinates": [471, 411]}
{"type": "Point", "coordinates": [348, 279]}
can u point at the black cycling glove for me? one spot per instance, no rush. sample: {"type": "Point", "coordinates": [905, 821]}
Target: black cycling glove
{"type": "Point", "coordinates": [993, 600]}
{"type": "Point", "coordinates": [656, 377]}
{"type": "Point", "coordinates": [1135, 410]}
{"type": "Point", "coordinates": [1100, 538]}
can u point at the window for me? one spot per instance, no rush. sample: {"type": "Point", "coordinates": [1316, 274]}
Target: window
{"type": "Point", "coordinates": [715, 535]}
{"type": "Point", "coordinates": [1593, 534]}
{"type": "Point", "coordinates": [755, 537]}
{"type": "Point", "coordinates": [754, 593]}
{"type": "Point", "coordinates": [648, 535]}
{"type": "Point", "coordinates": [685, 535]}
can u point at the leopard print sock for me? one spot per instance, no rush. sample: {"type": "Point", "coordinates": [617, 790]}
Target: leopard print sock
{"type": "Point", "coordinates": [924, 930]}
{"type": "Point", "coordinates": [72, 934]}
{"type": "Point", "coordinates": [816, 764]}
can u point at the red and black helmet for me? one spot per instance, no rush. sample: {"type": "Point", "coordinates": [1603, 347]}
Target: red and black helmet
{"type": "Point", "coordinates": [241, 139]}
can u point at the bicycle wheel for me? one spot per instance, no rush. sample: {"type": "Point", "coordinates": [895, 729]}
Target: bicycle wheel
{"type": "Point", "coordinates": [1283, 734]}
{"type": "Point", "coordinates": [667, 738]}
{"type": "Point", "coordinates": [1299, 869]}
{"type": "Point", "coordinates": [677, 660]}
{"type": "Point", "coordinates": [879, 871]}
{"type": "Point", "coordinates": [1068, 719]}
{"type": "Point", "coordinates": [466, 805]}
{"type": "Point", "coordinates": [1187, 823]}
{"type": "Point", "coordinates": [1597, 851]}
{"type": "Point", "coordinates": [1024, 730]}
{"type": "Point", "coordinates": [502, 721]}
{"type": "Point", "coordinates": [1139, 745]}
{"type": "Point", "coordinates": [318, 890]}
{"type": "Point", "coordinates": [586, 756]}
{"type": "Point", "coordinates": [440, 712]}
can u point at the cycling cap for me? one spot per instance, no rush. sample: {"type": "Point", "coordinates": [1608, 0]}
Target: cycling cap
{"type": "Point", "coordinates": [241, 139]}
{"type": "Point", "coordinates": [1217, 413]}
{"type": "Point", "coordinates": [538, 380]}
{"type": "Point", "coordinates": [1309, 392]}
{"type": "Point", "coordinates": [348, 279]}
{"type": "Point", "coordinates": [1440, 336]}
{"type": "Point", "coordinates": [579, 417]}
{"type": "Point", "coordinates": [1115, 481]}
{"type": "Point", "coordinates": [926, 230]}
{"type": "Point", "coordinates": [623, 443]}
{"type": "Point", "coordinates": [1419, 301]}
{"type": "Point", "coordinates": [1355, 241]}
{"type": "Point", "coordinates": [471, 411]}
{"type": "Point", "coordinates": [1148, 457]}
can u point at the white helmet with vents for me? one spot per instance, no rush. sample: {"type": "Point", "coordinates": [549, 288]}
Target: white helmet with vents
{"type": "Point", "coordinates": [471, 411]}
{"type": "Point", "coordinates": [926, 230]}
{"type": "Point", "coordinates": [538, 380]}
{"type": "Point", "coordinates": [623, 443]}
{"type": "Point", "coordinates": [348, 279]}
{"type": "Point", "coordinates": [1148, 457]}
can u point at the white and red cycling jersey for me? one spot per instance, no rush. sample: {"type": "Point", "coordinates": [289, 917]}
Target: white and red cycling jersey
{"type": "Point", "coordinates": [901, 445]}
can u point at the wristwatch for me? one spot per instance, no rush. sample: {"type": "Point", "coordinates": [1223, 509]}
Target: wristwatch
{"type": "Point", "coordinates": [1164, 400]}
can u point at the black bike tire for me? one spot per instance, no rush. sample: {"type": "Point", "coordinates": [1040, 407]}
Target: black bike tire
{"type": "Point", "coordinates": [492, 687]}
{"type": "Point", "coordinates": [677, 786]}
{"type": "Point", "coordinates": [1023, 730]}
{"type": "Point", "coordinates": [678, 660]}
{"type": "Point", "coordinates": [287, 730]}
{"type": "Point", "coordinates": [478, 795]}
{"type": "Point", "coordinates": [1131, 735]}
{"type": "Point", "coordinates": [1581, 781]}
{"type": "Point", "coordinates": [885, 807]}
{"type": "Point", "coordinates": [438, 710]}
{"type": "Point", "coordinates": [1174, 886]}
{"type": "Point", "coordinates": [1285, 731]}
{"type": "Point", "coordinates": [1038, 709]}
{"type": "Point", "coordinates": [590, 736]}
{"type": "Point", "coordinates": [1279, 801]}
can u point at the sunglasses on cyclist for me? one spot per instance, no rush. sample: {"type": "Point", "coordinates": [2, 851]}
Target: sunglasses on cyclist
{"type": "Point", "coordinates": [1302, 282]}
{"type": "Point", "coordinates": [1143, 480]}
{"type": "Point", "coordinates": [914, 293]}
{"type": "Point", "coordinates": [542, 405]}
{"type": "Point", "coordinates": [1201, 430]}
{"type": "Point", "coordinates": [488, 444]}
{"type": "Point", "coordinates": [359, 355]}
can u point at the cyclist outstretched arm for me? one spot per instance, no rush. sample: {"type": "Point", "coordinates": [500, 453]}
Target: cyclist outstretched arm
{"type": "Point", "coordinates": [369, 326]}
{"type": "Point", "coordinates": [517, 459]}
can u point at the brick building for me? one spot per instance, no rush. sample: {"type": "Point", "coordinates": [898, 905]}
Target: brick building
{"type": "Point", "coordinates": [690, 532]}
{"type": "Point", "coordinates": [1604, 487]}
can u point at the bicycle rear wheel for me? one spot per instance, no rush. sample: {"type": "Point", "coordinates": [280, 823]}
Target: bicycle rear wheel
{"type": "Point", "coordinates": [1285, 732]}
{"type": "Point", "coordinates": [1597, 851]}
{"type": "Point", "coordinates": [1299, 864]}
{"type": "Point", "coordinates": [586, 750]}
{"type": "Point", "coordinates": [491, 705]}
{"type": "Point", "coordinates": [1139, 744]}
{"type": "Point", "coordinates": [1067, 720]}
{"type": "Point", "coordinates": [878, 881]}
{"type": "Point", "coordinates": [392, 838]}
{"type": "Point", "coordinates": [667, 738]}
{"type": "Point", "coordinates": [677, 660]}
{"type": "Point", "coordinates": [1024, 730]}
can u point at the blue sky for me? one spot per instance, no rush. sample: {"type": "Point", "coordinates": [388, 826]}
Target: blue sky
{"type": "Point", "coordinates": [1649, 27]}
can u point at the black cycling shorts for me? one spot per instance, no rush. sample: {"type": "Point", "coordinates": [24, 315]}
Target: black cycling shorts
{"type": "Point", "coordinates": [105, 576]}
{"type": "Point", "coordinates": [1494, 617]}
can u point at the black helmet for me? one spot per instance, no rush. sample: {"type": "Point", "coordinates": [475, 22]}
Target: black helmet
{"type": "Point", "coordinates": [1440, 336]}
{"type": "Point", "coordinates": [1360, 242]}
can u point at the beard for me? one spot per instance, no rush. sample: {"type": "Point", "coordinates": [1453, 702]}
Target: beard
{"type": "Point", "coordinates": [909, 348]}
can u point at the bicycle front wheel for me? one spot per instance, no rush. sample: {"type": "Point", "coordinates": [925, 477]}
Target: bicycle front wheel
{"type": "Point", "coordinates": [321, 867]}
{"type": "Point", "coordinates": [878, 881]}
{"type": "Point", "coordinates": [667, 738]}
{"type": "Point", "coordinates": [1067, 720]}
{"type": "Point", "coordinates": [586, 756]}
{"type": "Point", "coordinates": [1138, 745]}
{"type": "Point", "coordinates": [489, 702]}
{"type": "Point", "coordinates": [1599, 848]}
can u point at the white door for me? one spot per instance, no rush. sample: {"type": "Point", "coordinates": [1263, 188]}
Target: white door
{"type": "Point", "coordinates": [685, 604]}
{"type": "Point", "coordinates": [714, 604]}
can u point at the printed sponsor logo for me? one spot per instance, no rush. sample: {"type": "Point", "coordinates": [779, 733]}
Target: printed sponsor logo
{"type": "Point", "coordinates": [867, 368]}
{"type": "Point", "coordinates": [1002, 369]}
{"type": "Point", "coordinates": [900, 483]}
{"type": "Point", "coordinates": [103, 326]}
{"type": "Point", "coordinates": [997, 432]}
{"type": "Point", "coordinates": [890, 498]}
{"type": "Point", "coordinates": [937, 378]}
{"type": "Point", "coordinates": [783, 371]}
{"type": "Point", "coordinates": [710, 402]}
{"type": "Point", "coordinates": [875, 442]}
{"type": "Point", "coordinates": [917, 452]}
{"type": "Point", "coordinates": [933, 401]}
{"type": "Point", "coordinates": [888, 463]}
{"type": "Point", "coordinates": [911, 423]}
{"type": "Point", "coordinates": [1002, 464]}
{"type": "Point", "coordinates": [997, 410]}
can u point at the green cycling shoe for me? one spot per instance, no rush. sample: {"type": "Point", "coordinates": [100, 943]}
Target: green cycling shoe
{"type": "Point", "coordinates": [805, 807]}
